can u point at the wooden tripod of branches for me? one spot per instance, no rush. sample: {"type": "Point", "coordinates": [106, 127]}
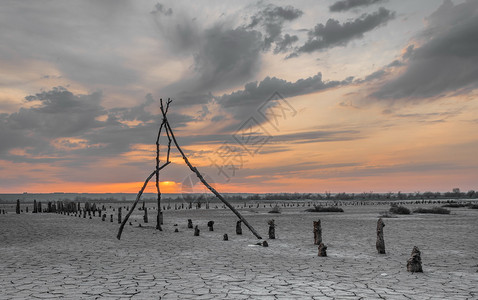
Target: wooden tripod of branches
{"type": "Point", "coordinates": [172, 139]}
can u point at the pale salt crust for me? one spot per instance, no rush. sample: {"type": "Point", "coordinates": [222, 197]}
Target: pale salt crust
{"type": "Point", "coordinates": [51, 256]}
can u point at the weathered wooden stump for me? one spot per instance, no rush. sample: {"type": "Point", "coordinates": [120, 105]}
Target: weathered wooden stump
{"type": "Point", "coordinates": [272, 229]}
{"type": "Point", "coordinates": [225, 237]}
{"type": "Point", "coordinates": [84, 214]}
{"type": "Point", "coordinates": [317, 233]}
{"type": "Point", "coordinates": [119, 215]}
{"type": "Point", "coordinates": [26, 209]}
{"type": "Point", "coordinates": [265, 244]}
{"type": "Point", "coordinates": [111, 218]}
{"type": "Point", "coordinates": [238, 227]}
{"type": "Point", "coordinates": [322, 249]}
{"type": "Point", "coordinates": [17, 209]}
{"type": "Point", "coordinates": [190, 223]}
{"type": "Point", "coordinates": [380, 242]}
{"type": "Point", "coordinates": [159, 217]}
{"type": "Point", "coordinates": [414, 263]}
{"type": "Point", "coordinates": [176, 230]}
{"type": "Point", "coordinates": [145, 217]}
{"type": "Point", "coordinates": [210, 224]}
{"type": "Point", "coordinates": [196, 231]}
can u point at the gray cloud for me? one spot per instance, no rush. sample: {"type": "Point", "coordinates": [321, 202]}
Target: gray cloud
{"type": "Point", "coordinates": [334, 34]}
{"type": "Point", "coordinates": [318, 136]}
{"type": "Point", "coordinates": [75, 38]}
{"type": "Point", "coordinates": [223, 56]}
{"type": "Point", "coordinates": [272, 19]}
{"type": "Point", "coordinates": [285, 43]}
{"type": "Point", "coordinates": [59, 113]}
{"type": "Point", "coordinates": [227, 56]}
{"type": "Point", "coordinates": [161, 9]}
{"type": "Point", "coordinates": [45, 128]}
{"type": "Point", "coordinates": [243, 103]}
{"type": "Point", "coordinates": [447, 61]}
{"type": "Point", "coordinates": [345, 5]}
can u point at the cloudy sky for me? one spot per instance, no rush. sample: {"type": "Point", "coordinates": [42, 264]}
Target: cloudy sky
{"type": "Point", "coordinates": [283, 96]}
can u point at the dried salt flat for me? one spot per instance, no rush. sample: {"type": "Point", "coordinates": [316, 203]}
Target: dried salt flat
{"type": "Point", "coordinates": [57, 256]}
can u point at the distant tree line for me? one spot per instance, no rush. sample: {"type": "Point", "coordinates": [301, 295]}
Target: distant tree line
{"type": "Point", "coordinates": [205, 198]}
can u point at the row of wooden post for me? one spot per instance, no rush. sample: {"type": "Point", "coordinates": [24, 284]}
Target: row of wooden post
{"type": "Point", "coordinates": [413, 263]}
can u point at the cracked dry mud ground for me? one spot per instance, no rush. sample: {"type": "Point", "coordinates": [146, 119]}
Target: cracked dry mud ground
{"type": "Point", "coordinates": [49, 256]}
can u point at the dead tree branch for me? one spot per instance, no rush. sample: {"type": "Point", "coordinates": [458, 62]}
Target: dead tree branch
{"type": "Point", "coordinates": [201, 178]}
{"type": "Point", "coordinates": [138, 197]}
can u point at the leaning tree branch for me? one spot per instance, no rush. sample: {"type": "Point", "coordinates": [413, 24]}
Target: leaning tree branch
{"type": "Point", "coordinates": [201, 178]}
{"type": "Point", "coordinates": [138, 197]}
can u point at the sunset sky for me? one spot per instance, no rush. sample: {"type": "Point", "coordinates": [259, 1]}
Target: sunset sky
{"type": "Point", "coordinates": [283, 96]}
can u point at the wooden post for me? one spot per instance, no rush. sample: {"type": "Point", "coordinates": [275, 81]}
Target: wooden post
{"type": "Point", "coordinates": [111, 218]}
{"type": "Point", "coordinates": [272, 230]}
{"type": "Point", "coordinates": [119, 215]}
{"type": "Point", "coordinates": [190, 223]}
{"type": "Point", "coordinates": [103, 218]}
{"type": "Point", "coordinates": [380, 242]}
{"type": "Point", "coordinates": [322, 249]}
{"type": "Point", "coordinates": [414, 263]}
{"type": "Point", "coordinates": [238, 227]}
{"type": "Point", "coordinates": [159, 220]}
{"type": "Point", "coordinates": [317, 233]}
{"type": "Point", "coordinates": [196, 231]}
{"type": "Point", "coordinates": [210, 224]}
{"type": "Point", "coordinates": [17, 209]}
{"type": "Point", "coordinates": [35, 208]}
{"type": "Point", "coordinates": [145, 217]}
{"type": "Point", "coordinates": [225, 237]}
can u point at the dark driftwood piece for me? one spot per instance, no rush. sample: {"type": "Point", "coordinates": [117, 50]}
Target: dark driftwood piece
{"type": "Point", "coordinates": [145, 217]}
{"type": "Point", "coordinates": [272, 229]}
{"type": "Point", "coordinates": [380, 242]}
{"type": "Point", "coordinates": [414, 263]}
{"type": "Point", "coordinates": [204, 182]}
{"type": "Point", "coordinates": [322, 249]}
{"type": "Point", "coordinates": [317, 233]}
{"type": "Point", "coordinates": [119, 215]}
{"type": "Point", "coordinates": [210, 224]}
{"type": "Point", "coordinates": [238, 227]}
